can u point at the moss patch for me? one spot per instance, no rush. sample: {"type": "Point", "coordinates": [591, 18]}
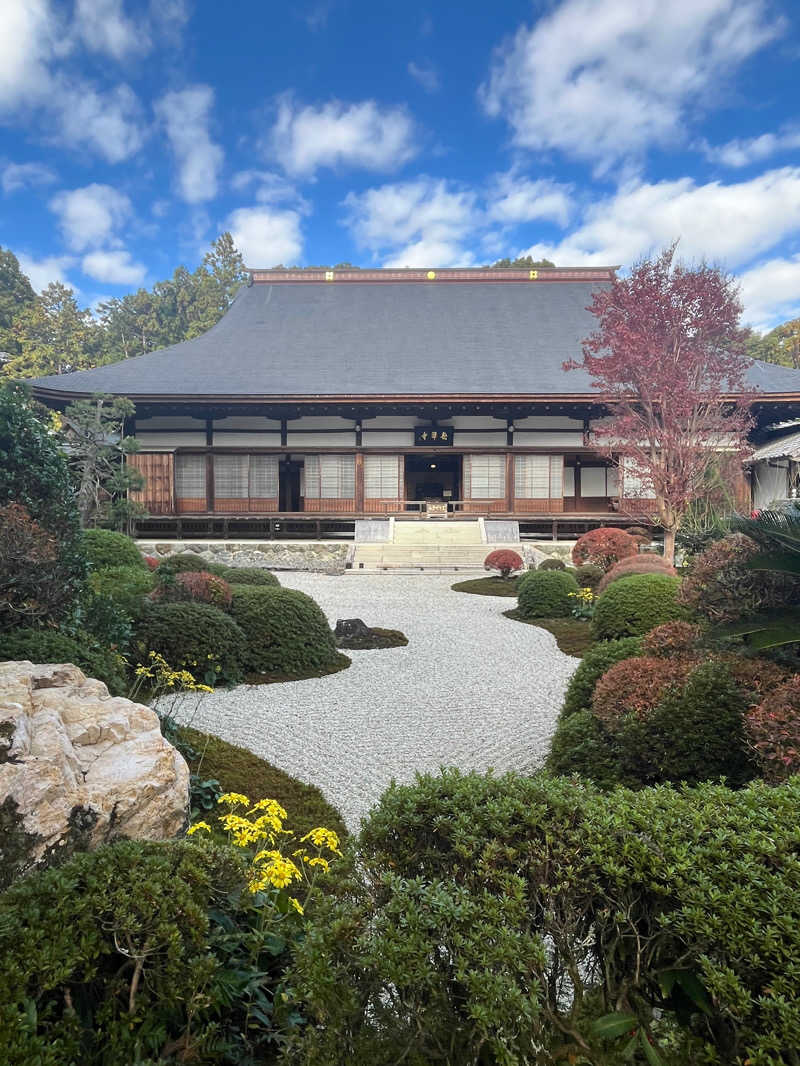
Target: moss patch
{"type": "Point", "coordinates": [239, 770]}
{"type": "Point", "coordinates": [276, 678]}
{"type": "Point", "coordinates": [378, 638]}
{"type": "Point", "coordinates": [488, 586]}
{"type": "Point", "coordinates": [573, 635]}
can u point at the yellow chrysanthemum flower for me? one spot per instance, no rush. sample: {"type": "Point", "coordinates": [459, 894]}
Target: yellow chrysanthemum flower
{"type": "Point", "coordinates": [234, 799]}
{"type": "Point", "coordinates": [297, 905]}
{"type": "Point", "coordinates": [323, 838]}
{"type": "Point", "coordinates": [198, 825]}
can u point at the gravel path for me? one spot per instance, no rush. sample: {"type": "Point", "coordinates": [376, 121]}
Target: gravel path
{"type": "Point", "coordinates": [472, 689]}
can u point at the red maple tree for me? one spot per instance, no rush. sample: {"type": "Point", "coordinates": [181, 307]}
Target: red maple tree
{"type": "Point", "coordinates": [668, 358]}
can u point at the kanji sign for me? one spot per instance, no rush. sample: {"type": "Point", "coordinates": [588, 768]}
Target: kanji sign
{"type": "Point", "coordinates": [433, 436]}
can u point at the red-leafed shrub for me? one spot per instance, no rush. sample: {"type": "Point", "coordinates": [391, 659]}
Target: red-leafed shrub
{"type": "Point", "coordinates": [635, 564]}
{"type": "Point", "coordinates": [151, 561]}
{"type": "Point", "coordinates": [671, 638]}
{"type": "Point", "coordinates": [721, 588]}
{"type": "Point", "coordinates": [773, 731]}
{"type": "Point", "coordinates": [33, 587]}
{"type": "Point", "coordinates": [505, 560]}
{"type": "Point", "coordinates": [197, 586]}
{"type": "Point", "coordinates": [755, 676]}
{"type": "Point", "coordinates": [604, 547]}
{"type": "Point", "coordinates": [635, 686]}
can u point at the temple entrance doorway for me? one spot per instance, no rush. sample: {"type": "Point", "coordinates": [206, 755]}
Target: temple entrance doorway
{"type": "Point", "coordinates": [433, 476]}
{"type": "Point", "coordinates": [289, 485]}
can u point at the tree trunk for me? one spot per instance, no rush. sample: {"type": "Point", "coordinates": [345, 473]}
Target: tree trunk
{"type": "Point", "coordinates": [669, 546]}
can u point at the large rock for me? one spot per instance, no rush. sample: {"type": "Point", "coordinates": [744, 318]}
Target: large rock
{"type": "Point", "coordinates": [79, 767]}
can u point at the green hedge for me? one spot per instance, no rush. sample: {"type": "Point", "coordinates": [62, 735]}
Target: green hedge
{"type": "Point", "coordinates": [106, 548]}
{"type": "Point", "coordinates": [183, 561]}
{"type": "Point", "coordinates": [546, 594]}
{"type": "Point", "coordinates": [83, 651]}
{"type": "Point", "coordinates": [285, 631]}
{"type": "Point", "coordinates": [593, 665]}
{"type": "Point", "coordinates": [461, 885]}
{"type": "Point", "coordinates": [191, 635]}
{"type": "Point", "coordinates": [126, 586]}
{"type": "Point", "coordinates": [248, 575]}
{"type": "Point", "coordinates": [634, 605]}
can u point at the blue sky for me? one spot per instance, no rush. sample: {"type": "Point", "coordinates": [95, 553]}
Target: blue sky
{"type": "Point", "coordinates": [386, 134]}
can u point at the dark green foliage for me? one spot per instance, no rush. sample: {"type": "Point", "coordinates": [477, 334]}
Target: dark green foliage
{"type": "Point", "coordinates": [634, 605]}
{"type": "Point", "coordinates": [81, 649]}
{"type": "Point", "coordinates": [461, 886]}
{"type": "Point", "coordinates": [183, 561]}
{"type": "Point", "coordinates": [126, 586]}
{"type": "Point", "coordinates": [106, 959]}
{"type": "Point", "coordinates": [285, 631]}
{"type": "Point", "coordinates": [488, 586]}
{"type": "Point", "coordinates": [248, 575]}
{"type": "Point", "coordinates": [581, 745]}
{"type": "Point", "coordinates": [546, 594]}
{"type": "Point", "coordinates": [34, 473]}
{"type": "Point", "coordinates": [17, 845]}
{"type": "Point", "coordinates": [186, 634]}
{"type": "Point", "coordinates": [589, 575]}
{"type": "Point", "coordinates": [593, 665]}
{"type": "Point", "coordinates": [105, 548]}
{"type": "Point", "coordinates": [552, 564]}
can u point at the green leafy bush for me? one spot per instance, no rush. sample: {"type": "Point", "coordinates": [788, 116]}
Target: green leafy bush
{"type": "Point", "coordinates": [105, 548]}
{"type": "Point", "coordinates": [681, 905]}
{"type": "Point", "coordinates": [126, 586]}
{"type": "Point", "coordinates": [581, 745]}
{"type": "Point", "coordinates": [588, 575]}
{"type": "Point", "coordinates": [285, 631]}
{"type": "Point", "coordinates": [82, 650]}
{"type": "Point", "coordinates": [634, 605]}
{"type": "Point", "coordinates": [187, 634]}
{"type": "Point", "coordinates": [248, 575]}
{"type": "Point", "coordinates": [773, 731]}
{"type": "Point", "coordinates": [545, 594]}
{"type": "Point", "coordinates": [592, 667]}
{"type": "Point", "coordinates": [635, 564]}
{"type": "Point", "coordinates": [190, 562]}
{"type": "Point", "coordinates": [552, 564]}
{"type": "Point", "coordinates": [197, 585]}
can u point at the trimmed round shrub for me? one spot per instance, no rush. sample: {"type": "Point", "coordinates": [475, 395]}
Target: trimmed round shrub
{"type": "Point", "coordinates": [633, 606]}
{"type": "Point", "coordinates": [105, 548]}
{"type": "Point", "coordinates": [591, 668]}
{"type": "Point", "coordinates": [673, 638]}
{"type": "Point", "coordinates": [720, 588]}
{"type": "Point", "coordinates": [641, 533]}
{"type": "Point", "coordinates": [185, 562]}
{"type": "Point", "coordinates": [187, 634]}
{"type": "Point", "coordinates": [588, 576]}
{"type": "Point", "coordinates": [635, 686]}
{"type": "Point", "coordinates": [773, 732]}
{"type": "Point", "coordinates": [249, 575]}
{"type": "Point", "coordinates": [553, 564]}
{"type": "Point", "coordinates": [581, 745]}
{"type": "Point", "coordinates": [756, 676]}
{"type": "Point", "coordinates": [285, 631]}
{"type": "Point", "coordinates": [546, 594]}
{"type": "Point", "coordinates": [505, 560]}
{"type": "Point", "coordinates": [126, 586]}
{"type": "Point", "coordinates": [82, 650]}
{"type": "Point", "coordinates": [635, 564]}
{"type": "Point", "coordinates": [195, 585]}
{"type": "Point", "coordinates": [604, 547]}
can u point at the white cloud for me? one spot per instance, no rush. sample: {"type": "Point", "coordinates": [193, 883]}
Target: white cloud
{"type": "Point", "coordinates": [186, 116]}
{"type": "Point", "coordinates": [426, 75]}
{"type": "Point", "coordinates": [336, 134]}
{"type": "Point", "coordinates": [115, 267]}
{"type": "Point", "coordinates": [28, 34]}
{"type": "Point", "coordinates": [266, 236]}
{"type": "Point", "coordinates": [730, 223]}
{"type": "Point", "coordinates": [43, 271]}
{"type": "Point", "coordinates": [605, 79]}
{"type": "Point", "coordinates": [104, 27]}
{"type": "Point", "coordinates": [270, 188]}
{"type": "Point", "coordinates": [17, 176]}
{"type": "Point", "coordinates": [416, 223]}
{"type": "Point", "coordinates": [89, 217]}
{"type": "Point", "coordinates": [771, 292]}
{"type": "Point", "coordinates": [108, 122]}
{"type": "Point", "coordinates": [742, 152]}
{"type": "Point", "coordinates": [514, 199]}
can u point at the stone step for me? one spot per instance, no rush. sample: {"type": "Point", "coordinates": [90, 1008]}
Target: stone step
{"type": "Point", "coordinates": [422, 556]}
{"type": "Point", "coordinates": [443, 531]}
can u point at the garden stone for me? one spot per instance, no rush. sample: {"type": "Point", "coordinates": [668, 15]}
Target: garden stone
{"type": "Point", "coordinates": [79, 767]}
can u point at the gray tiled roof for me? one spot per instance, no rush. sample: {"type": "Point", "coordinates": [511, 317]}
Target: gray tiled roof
{"type": "Point", "coordinates": [398, 338]}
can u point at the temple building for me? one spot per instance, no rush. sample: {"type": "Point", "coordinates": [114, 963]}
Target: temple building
{"type": "Point", "coordinates": [325, 396]}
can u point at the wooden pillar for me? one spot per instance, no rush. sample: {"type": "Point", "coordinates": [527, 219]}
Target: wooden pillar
{"type": "Point", "coordinates": [509, 482]}
{"type": "Point", "coordinates": [359, 500]}
{"type": "Point", "coordinates": [209, 482]}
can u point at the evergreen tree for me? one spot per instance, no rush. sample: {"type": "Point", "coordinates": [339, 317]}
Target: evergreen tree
{"type": "Point", "coordinates": [16, 293]}
{"type": "Point", "coordinates": [54, 336]}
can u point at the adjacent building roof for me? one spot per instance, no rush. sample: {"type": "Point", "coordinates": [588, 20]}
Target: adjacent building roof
{"type": "Point", "coordinates": [787, 447]}
{"type": "Point", "coordinates": [382, 333]}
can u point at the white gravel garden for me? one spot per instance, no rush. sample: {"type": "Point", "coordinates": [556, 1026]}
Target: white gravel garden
{"type": "Point", "coordinates": [471, 689]}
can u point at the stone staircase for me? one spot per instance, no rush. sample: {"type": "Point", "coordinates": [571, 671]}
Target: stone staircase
{"type": "Point", "coordinates": [432, 546]}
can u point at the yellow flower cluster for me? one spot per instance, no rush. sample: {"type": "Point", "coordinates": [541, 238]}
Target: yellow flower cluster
{"type": "Point", "coordinates": [161, 673]}
{"type": "Point", "coordinates": [271, 868]}
{"type": "Point", "coordinates": [584, 595]}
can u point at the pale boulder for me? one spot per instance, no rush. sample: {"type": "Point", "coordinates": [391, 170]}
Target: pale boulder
{"type": "Point", "coordinates": [78, 762]}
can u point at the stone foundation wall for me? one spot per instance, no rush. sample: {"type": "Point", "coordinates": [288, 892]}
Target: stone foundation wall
{"type": "Point", "coordinates": [319, 556]}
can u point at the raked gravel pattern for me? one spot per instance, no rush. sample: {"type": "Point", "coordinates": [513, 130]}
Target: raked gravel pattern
{"type": "Point", "coordinates": [472, 689]}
